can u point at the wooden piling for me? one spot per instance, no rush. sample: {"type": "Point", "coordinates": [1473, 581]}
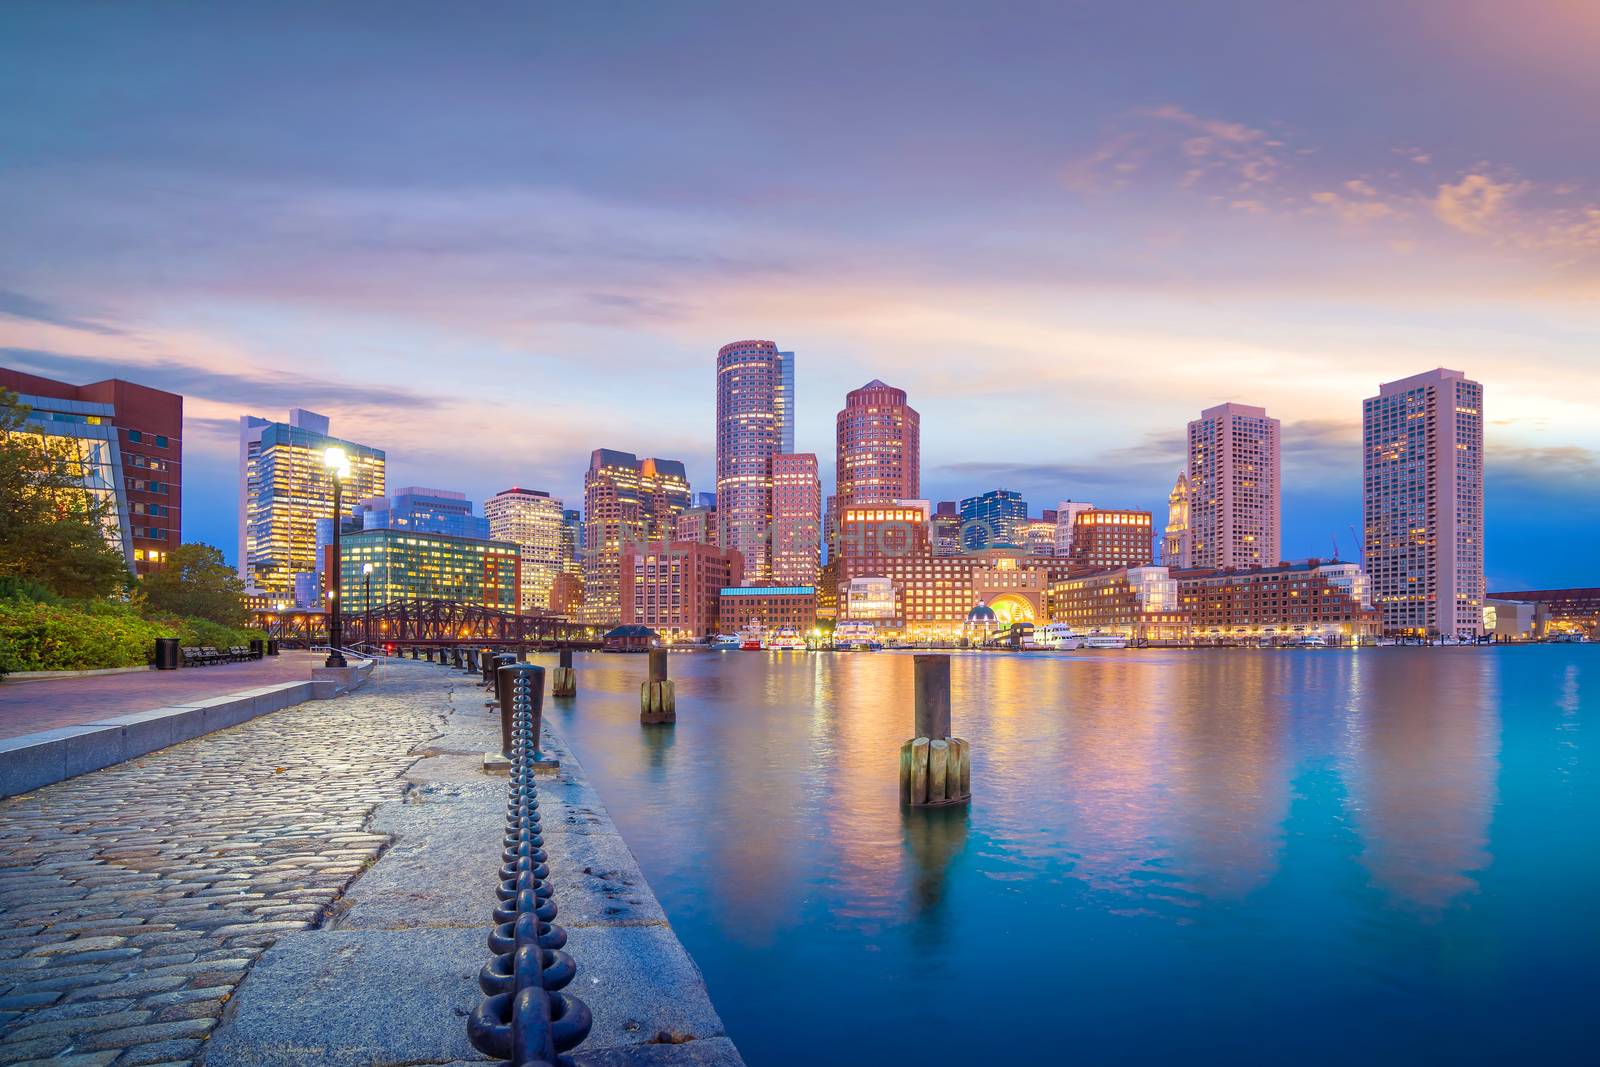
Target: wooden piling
{"type": "Point", "coordinates": [564, 683]}
{"type": "Point", "coordinates": [657, 701]}
{"type": "Point", "coordinates": [935, 768]}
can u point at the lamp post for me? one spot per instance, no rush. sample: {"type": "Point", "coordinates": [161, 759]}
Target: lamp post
{"type": "Point", "coordinates": [339, 467]}
{"type": "Point", "coordinates": [366, 602]}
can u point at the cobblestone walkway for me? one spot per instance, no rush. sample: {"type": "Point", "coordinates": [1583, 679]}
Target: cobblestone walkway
{"type": "Point", "coordinates": [133, 900]}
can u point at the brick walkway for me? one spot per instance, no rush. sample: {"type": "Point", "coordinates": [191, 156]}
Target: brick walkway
{"type": "Point", "coordinates": [26, 707]}
{"type": "Point", "coordinates": [133, 900]}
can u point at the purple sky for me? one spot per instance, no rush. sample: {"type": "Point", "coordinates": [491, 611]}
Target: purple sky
{"type": "Point", "coordinates": [1062, 228]}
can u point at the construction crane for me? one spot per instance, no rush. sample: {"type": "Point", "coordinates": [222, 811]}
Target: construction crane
{"type": "Point", "coordinates": [1361, 544]}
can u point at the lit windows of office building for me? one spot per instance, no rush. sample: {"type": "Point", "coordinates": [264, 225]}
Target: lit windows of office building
{"type": "Point", "coordinates": [698, 524]}
{"type": "Point", "coordinates": [1234, 487]}
{"type": "Point", "coordinates": [879, 442]}
{"type": "Point", "coordinates": [410, 565]}
{"type": "Point", "coordinates": [993, 520]}
{"type": "Point", "coordinates": [1423, 489]}
{"type": "Point", "coordinates": [1111, 537]}
{"type": "Point", "coordinates": [285, 488]}
{"type": "Point", "coordinates": [675, 587]}
{"type": "Point", "coordinates": [123, 444]}
{"type": "Point", "coordinates": [944, 529]}
{"type": "Point", "coordinates": [532, 520]}
{"type": "Point", "coordinates": [626, 500]}
{"type": "Point", "coordinates": [1038, 536]}
{"type": "Point", "coordinates": [755, 422]}
{"type": "Point", "coordinates": [796, 519]}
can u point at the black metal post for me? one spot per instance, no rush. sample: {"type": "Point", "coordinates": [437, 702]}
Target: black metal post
{"type": "Point", "coordinates": [366, 603]}
{"type": "Point", "coordinates": [336, 622]}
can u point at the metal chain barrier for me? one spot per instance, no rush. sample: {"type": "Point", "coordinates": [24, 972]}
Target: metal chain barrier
{"type": "Point", "coordinates": [524, 1018]}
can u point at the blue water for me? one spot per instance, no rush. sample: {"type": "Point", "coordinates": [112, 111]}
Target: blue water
{"type": "Point", "coordinates": [1234, 856]}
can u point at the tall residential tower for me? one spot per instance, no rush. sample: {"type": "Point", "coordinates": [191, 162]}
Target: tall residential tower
{"type": "Point", "coordinates": [755, 422]}
{"type": "Point", "coordinates": [1235, 488]}
{"type": "Point", "coordinates": [626, 501]}
{"type": "Point", "coordinates": [1422, 438]}
{"type": "Point", "coordinates": [532, 520]}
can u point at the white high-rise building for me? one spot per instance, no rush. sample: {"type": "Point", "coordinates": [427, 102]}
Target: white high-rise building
{"type": "Point", "coordinates": [1422, 439]}
{"type": "Point", "coordinates": [532, 520]}
{"type": "Point", "coordinates": [1235, 488]}
{"type": "Point", "coordinates": [1067, 513]}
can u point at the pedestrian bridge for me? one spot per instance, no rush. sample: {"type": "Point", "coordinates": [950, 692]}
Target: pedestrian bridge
{"type": "Point", "coordinates": [432, 624]}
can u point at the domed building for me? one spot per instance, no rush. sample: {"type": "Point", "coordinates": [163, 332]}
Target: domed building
{"type": "Point", "coordinates": [981, 621]}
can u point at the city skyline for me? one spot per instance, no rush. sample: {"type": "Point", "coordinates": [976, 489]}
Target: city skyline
{"type": "Point", "coordinates": [1060, 266]}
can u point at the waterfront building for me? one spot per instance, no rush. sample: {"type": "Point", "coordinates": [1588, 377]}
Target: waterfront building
{"type": "Point", "coordinates": [874, 531]}
{"type": "Point", "coordinates": [1561, 611]}
{"type": "Point", "coordinates": [1423, 488]}
{"type": "Point", "coordinates": [945, 529]}
{"type": "Point", "coordinates": [674, 587]}
{"type": "Point", "coordinates": [796, 519]}
{"type": "Point", "coordinates": [1513, 620]}
{"type": "Point", "coordinates": [755, 422]}
{"type": "Point", "coordinates": [879, 447]}
{"type": "Point", "coordinates": [1039, 535]}
{"type": "Point", "coordinates": [626, 500]}
{"type": "Point", "coordinates": [1139, 603]}
{"type": "Point", "coordinates": [425, 511]}
{"type": "Point", "coordinates": [872, 598]}
{"type": "Point", "coordinates": [1234, 486]}
{"type": "Point", "coordinates": [1177, 548]}
{"type": "Point", "coordinates": [1067, 513]}
{"type": "Point", "coordinates": [1111, 537]}
{"type": "Point", "coordinates": [697, 524]}
{"type": "Point", "coordinates": [285, 487]}
{"type": "Point", "coordinates": [769, 607]}
{"type": "Point", "coordinates": [408, 565]}
{"type": "Point", "coordinates": [828, 590]}
{"type": "Point", "coordinates": [566, 594]}
{"type": "Point", "coordinates": [1279, 603]}
{"type": "Point", "coordinates": [533, 520]}
{"type": "Point", "coordinates": [993, 520]}
{"type": "Point", "coordinates": [123, 444]}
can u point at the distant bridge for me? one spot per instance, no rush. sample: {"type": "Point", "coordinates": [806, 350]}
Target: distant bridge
{"type": "Point", "coordinates": [431, 624]}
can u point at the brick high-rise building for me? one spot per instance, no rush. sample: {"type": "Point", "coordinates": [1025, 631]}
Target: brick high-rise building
{"type": "Point", "coordinates": [626, 500]}
{"type": "Point", "coordinates": [1110, 537]}
{"type": "Point", "coordinates": [1422, 439]}
{"type": "Point", "coordinates": [755, 422]}
{"type": "Point", "coordinates": [127, 445]}
{"type": "Point", "coordinates": [674, 587]}
{"type": "Point", "coordinates": [796, 519]}
{"type": "Point", "coordinates": [879, 441]}
{"type": "Point", "coordinates": [1235, 488]}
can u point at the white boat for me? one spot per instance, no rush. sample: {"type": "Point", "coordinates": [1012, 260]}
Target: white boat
{"type": "Point", "coordinates": [1058, 636]}
{"type": "Point", "coordinates": [726, 643]}
{"type": "Point", "coordinates": [785, 639]}
{"type": "Point", "coordinates": [853, 634]}
{"type": "Point", "coordinates": [1311, 641]}
{"type": "Point", "coordinates": [1104, 640]}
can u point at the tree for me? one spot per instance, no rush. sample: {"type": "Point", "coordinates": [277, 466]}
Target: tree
{"type": "Point", "coordinates": [52, 531]}
{"type": "Point", "coordinates": [196, 583]}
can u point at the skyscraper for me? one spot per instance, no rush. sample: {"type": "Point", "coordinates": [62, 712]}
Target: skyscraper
{"type": "Point", "coordinates": [796, 519]}
{"type": "Point", "coordinates": [532, 520]}
{"type": "Point", "coordinates": [626, 500]}
{"type": "Point", "coordinates": [1067, 513]}
{"type": "Point", "coordinates": [755, 421]}
{"type": "Point", "coordinates": [1423, 444]}
{"type": "Point", "coordinates": [1177, 549]}
{"type": "Point", "coordinates": [285, 487]}
{"type": "Point", "coordinates": [1235, 504]}
{"type": "Point", "coordinates": [879, 438]}
{"type": "Point", "coordinates": [993, 519]}
{"type": "Point", "coordinates": [1110, 537]}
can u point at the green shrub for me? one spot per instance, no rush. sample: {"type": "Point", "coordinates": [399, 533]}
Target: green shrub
{"type": "Point", "coordinates": [59, 637]}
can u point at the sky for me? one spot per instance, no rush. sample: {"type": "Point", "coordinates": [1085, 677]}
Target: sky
{"type": "Point", "coordinates": [491, 237]}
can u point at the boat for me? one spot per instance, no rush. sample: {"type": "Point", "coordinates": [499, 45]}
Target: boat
{"type": "Point", "coordinates": [1097, 639]}
{"type": "Point", "coordinates": [1058, 636]}
{"type": "Point", "coordinates": [853, 634]}
{"type": "Point", "coordinates": [726, 643]}
{"type": "Point", "coordinates": [1311, 641]}
{"type": "Point", "coordinates": [785, 639]}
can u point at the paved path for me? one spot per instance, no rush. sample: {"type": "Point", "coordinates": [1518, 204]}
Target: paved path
{"type": "Point", "coordinates": [26, 707]}
{"type": "Point", "coordinates": [133, 900]}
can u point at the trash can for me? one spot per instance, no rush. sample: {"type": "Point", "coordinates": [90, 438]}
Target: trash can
{"type": "Point", "coordinates": [257, 648]}
{"type": "Point", "coordinates": [272, 646]}
{"type": "Point", "coordinates": [166, 653]}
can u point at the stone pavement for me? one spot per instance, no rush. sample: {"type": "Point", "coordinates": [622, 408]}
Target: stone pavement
{"type": "Point", "coordinates": [29, 706]}
{"type": "Point", "coordinates": [133, 900]}
{"type": "Point", "coordinates": [142, 904]}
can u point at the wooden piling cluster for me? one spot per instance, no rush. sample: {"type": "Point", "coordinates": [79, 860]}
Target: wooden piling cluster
{"type": "Point", "coordinates": [935, 768]}
{"type": "Point", "coordinates": [657, 702]}
{"type": "Point", "coordinates": [564, 680]}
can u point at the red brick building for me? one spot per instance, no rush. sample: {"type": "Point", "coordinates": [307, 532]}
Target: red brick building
{"type": "Point", "coordinates": [149, 438]}
{"type": "Point", "coordinates": [774, 607]}
{"type": "Point", "coordinates": [1114, 537]}
{"type": "Point", "coordinates": [674, 587]}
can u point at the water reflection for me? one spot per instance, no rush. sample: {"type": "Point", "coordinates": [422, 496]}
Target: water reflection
{"type": "Point", "coordinates": [1233, 845]}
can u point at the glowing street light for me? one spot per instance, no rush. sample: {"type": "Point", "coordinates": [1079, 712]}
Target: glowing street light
{"type": "Point", "coordinates": [338, 465]}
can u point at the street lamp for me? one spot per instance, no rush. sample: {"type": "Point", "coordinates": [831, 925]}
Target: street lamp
{"type": "Point", "coordinates": [338, 465]}
{"type": "Point", "coordinates": [366, 602]}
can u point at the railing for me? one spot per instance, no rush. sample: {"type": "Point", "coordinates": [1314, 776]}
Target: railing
{"type": "Point", "coordinates": [524, 1018]}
